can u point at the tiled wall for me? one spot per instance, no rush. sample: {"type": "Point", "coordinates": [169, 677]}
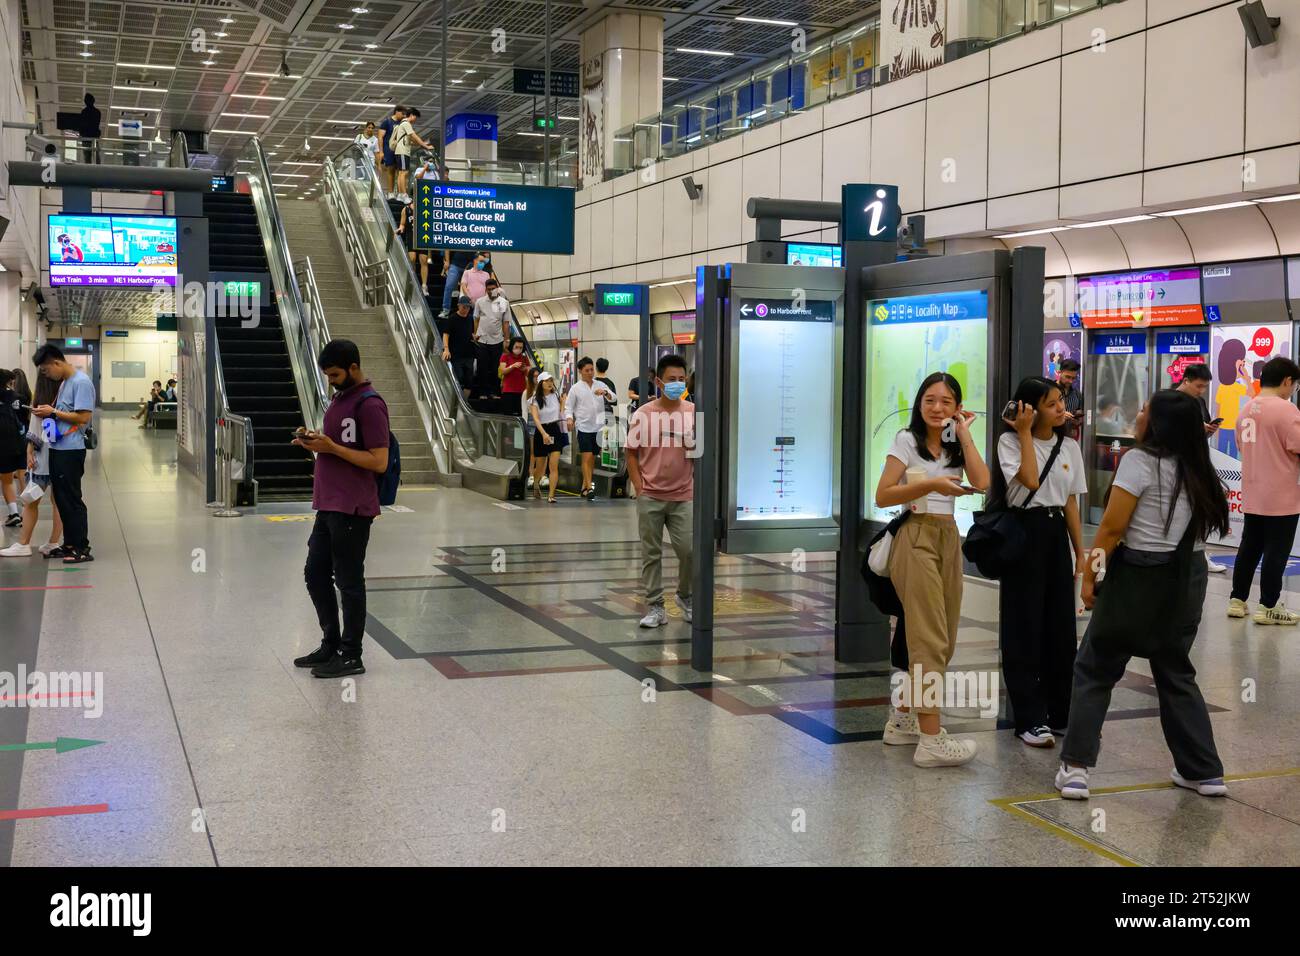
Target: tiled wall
{"type": "Point", "coordinates": [1046, 127]}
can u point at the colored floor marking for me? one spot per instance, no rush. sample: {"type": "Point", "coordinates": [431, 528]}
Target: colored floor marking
{"type": "Point", "coordinates": [68, 694]}
{"type": "Point", "coordinates": [51, 587]}
{"type": "Point", "coordinates": [1013, 805]}
{"type": "Point", "coordinates": [35, 812]}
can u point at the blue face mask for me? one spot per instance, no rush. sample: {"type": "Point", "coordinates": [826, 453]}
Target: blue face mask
{"type": "Point", "coordinates": [479, 265]}
{"type": "Point", "coordinates": [674, 390]}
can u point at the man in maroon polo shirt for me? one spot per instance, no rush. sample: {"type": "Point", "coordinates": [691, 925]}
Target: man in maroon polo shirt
{"type": "Point", "coordinates": [351, 452]}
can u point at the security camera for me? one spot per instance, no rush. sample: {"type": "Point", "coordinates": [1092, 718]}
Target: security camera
{"type": "Point", "coordinates": [1261, 29]}
{"type": "Point", "coordinates": [41, 146]}
{"type": "Point", "coordinates": [693, 189]}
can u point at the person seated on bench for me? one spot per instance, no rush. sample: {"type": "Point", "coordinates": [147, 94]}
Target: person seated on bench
{"type": "Point", "coordinates": [155, 396]}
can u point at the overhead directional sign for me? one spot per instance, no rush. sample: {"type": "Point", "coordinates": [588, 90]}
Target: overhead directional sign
{"type": "Point", "coordinates": [564, 83]}
{"type": "Point", "coordinates": [536, 219]}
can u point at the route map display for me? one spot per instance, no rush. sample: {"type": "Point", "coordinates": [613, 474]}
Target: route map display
{"type": "Point", "coordinates": [536, 219]}
{"type": "Point", "coordinates": [785, 448]}
{"type": "Point", "coordinates": [908, 338]}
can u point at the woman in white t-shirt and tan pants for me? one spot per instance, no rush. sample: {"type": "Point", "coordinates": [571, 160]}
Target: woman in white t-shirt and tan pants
{"type": "Point", "coordinates": [1036, 608]}
{"type": "Point", "coordinates": [923, 470]}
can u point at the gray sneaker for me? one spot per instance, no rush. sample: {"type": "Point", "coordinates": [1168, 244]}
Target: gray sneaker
{"type": "Point", "coordinates": [685, 605]}
{"type": "Point", "coordinates": [655, 617]}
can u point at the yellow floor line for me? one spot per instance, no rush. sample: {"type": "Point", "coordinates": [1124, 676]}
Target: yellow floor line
{"type": "Point", "coordinates": [1013, 806]}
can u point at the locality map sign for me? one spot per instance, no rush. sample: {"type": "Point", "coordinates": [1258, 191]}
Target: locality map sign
{"type": "Point", "coordinates": [489, 216]}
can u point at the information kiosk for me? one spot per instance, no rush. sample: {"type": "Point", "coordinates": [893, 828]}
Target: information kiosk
{"type": "Point", "coordinates": [784, 341]}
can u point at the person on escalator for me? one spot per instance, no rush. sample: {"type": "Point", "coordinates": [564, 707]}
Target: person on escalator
{"type": "Point", "coordinates": [458, 344]}
{"type": "Point", "coordinates": [388, 158]}
{"type": "Point", "coordinates": [454, 262]}
{"type": "Point", "coordinates": [512, 370]}
{"type": "Point", "coordinates": [491, 329]}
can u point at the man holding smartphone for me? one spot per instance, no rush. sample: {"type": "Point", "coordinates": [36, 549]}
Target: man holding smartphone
{"type": "Point", "coordinates": [1196, 383]}
{"type": "Point", "coordinates": [351, 451]}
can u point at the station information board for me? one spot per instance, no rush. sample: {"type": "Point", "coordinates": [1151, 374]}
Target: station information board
{"type": "Point", "coordinates": [785, 398]}
{"type": "Point", "coordinates": [490, 216]}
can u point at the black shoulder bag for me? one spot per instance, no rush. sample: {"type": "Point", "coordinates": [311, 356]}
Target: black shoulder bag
{"type": "Point", "coordinates": [1140, 605]}
{"type": "Point", "coordinates": [996, 541]}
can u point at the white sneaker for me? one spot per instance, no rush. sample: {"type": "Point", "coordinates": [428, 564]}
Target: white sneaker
{"type": "Point", "coordinates": [1038, 737]}
{"type": "Point", "coordinates": [1072, 782]}
{"type": "Point", "coordinates": [546, 482]}
{"type": "Point", "coordinates": [656, 617]}
{"type": "Point", "coordinates": [940, 750]}
{"type": "Point", "coordinates": [1276, 615]}
{"type": "Point", "coordinates": [685, 605]}
{"type": "Point", "coordinates": [531, 479]}
{"type": "Point", "coordinates": [1238, 608]}
{"type": "Point", "coordinates": [1206, 788]}
{"type": "Point", "coordinates": [1215, 568]}
{"type": "Point", "coordinates": [47, 548]}
{"type": "Point", "coordinates": [902, 729]}
{"type": "Point", "coordinates": [17, 551]}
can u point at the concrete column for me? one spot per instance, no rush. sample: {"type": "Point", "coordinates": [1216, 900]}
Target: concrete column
{"type": "Point", "coordinates": [622, 83]}
{"type": "Point", "coordinates": [11, 323]}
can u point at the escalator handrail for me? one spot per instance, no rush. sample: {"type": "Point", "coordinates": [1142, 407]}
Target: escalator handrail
{"type": "Point", "coordinates": [311, 383]}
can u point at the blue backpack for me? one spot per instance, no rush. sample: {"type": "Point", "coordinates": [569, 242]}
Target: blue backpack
{"type": "Point", "coordinates": [386, 483]}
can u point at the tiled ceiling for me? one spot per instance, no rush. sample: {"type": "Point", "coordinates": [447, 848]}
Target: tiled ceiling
{"type": "Point", "coordinates": [200, 64]}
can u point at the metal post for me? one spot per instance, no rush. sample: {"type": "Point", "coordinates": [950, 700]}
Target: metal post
{"type": "Point", "coordinates": [546, 122]}
{"type": "Point", "coordinates": [226, 490]}
{"type": "Point", "coordinates": [708, 432]}
{"type": "Point", "coordinates": [442, 94]}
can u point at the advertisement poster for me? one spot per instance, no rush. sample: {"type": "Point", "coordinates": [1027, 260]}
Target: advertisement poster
{"type": "Point", "coordinates": [1062, 345]}
{"type": "Point", "coordinates": [1237, 356]}
{"type": "Point", "coordinates": [909, 337]}
{"type": "Point", "coordinates": [1140, 299]}
{"type": "Point", "coordinates": [591, 135]}
{"type": "Point", "coordinates": [911, 35]}
{"type": "Point", "coordinates": [785, 437]}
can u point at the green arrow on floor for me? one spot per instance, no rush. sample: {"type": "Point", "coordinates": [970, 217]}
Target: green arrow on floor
{"type": "Point", "coordinates": [60, 746]}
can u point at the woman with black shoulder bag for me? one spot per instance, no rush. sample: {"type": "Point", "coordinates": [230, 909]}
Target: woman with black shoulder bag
{"type": "Point", "coordinates": [1038, 474]}
{"type": "Point", "coordinates": [923, 470]}
{"type": "Point", "coordinates": [1166, 499]}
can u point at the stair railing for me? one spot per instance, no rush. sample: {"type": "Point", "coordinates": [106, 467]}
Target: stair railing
{"type": "Point", "coordinates": [459, 433]}
{"type": "Point", "coordinates": [318, 331]}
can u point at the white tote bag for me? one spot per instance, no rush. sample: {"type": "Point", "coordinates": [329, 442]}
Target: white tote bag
{"type": "Point", "coordinates": [32, 493]}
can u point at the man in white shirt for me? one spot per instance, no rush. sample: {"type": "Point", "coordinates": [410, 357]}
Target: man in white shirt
{"type": "Point", "coordinates": [585, 410]}
{"type": "Point", "coordinates": [491, 331]}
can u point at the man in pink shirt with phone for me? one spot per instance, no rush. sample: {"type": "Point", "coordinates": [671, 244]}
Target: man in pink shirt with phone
{"type": "Point", "coordinates": [1268, 435]}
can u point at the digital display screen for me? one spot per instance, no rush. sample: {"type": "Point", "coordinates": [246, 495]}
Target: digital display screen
{"type": "Point", "coordinates": [537, 219]}
{"type": "Point", "coordinates": [1139, 299]}
{"type": "Point", "coordinates": [909, 338]}
{"type": "Point", "coordinates": [683, 327]}
{"type": "Point", "coordinates": [787, 415]}
{"type": "Point", "coordinates": [813, 254]}
{"type": "Point", "coordinates": [112, 251]}
{"type": "Point", "coordinates": [1247, 291]}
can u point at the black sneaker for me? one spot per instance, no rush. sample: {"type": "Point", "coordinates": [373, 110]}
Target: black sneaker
{"type": "Point", "coordinates": [15, 520]}
{"type": "Point", "coordinates": [339, 666]}
{"type": "Point", "coordinates": [77, 557]}
{"type": "Point", "coordinates": [322, 655]}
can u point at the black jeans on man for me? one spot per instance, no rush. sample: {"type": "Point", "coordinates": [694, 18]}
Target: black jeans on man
{"type": "Point", "coordinates": [336, 554]}
{"type": "Point", "coordinates": [1269, 537]}
{"type": "Point", "coordinates": [488, 355]}
{"type": "Point", "coordinates": [66, 469]}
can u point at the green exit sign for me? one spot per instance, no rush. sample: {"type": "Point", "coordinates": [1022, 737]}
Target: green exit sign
{"type": "Point", "coordinates": [72, 343]}
{"type": "Point", "coordinates": [618, 298]}
{"type": "Point", "coordinates": [544, 122]}
{"type": "Point", "coordinates": [244, 289]}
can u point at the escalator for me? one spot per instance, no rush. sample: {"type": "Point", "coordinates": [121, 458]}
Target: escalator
{"type": "Point", "coordinates": [483, 451]}
{"type": "Point", "coordinates": [255, 362]}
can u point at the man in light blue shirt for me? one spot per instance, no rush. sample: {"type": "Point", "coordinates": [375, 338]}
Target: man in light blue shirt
{"type": "Point", "coordinates": [71, 414]}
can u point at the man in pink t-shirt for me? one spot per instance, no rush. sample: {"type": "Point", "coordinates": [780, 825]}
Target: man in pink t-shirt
{"type": "Point", "coordinates": [660, 437]}
{"type": "Point", "coordinates": [1268, 434]}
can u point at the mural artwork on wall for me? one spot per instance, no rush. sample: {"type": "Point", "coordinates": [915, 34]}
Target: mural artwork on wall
{"type": "Point", "coordinates": [591, 150]}
{"type": "Point", "coordinates": [912, 37]}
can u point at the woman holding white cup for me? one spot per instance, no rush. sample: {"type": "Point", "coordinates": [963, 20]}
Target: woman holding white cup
{"type": "Point", "coordinates": [924, 470]}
